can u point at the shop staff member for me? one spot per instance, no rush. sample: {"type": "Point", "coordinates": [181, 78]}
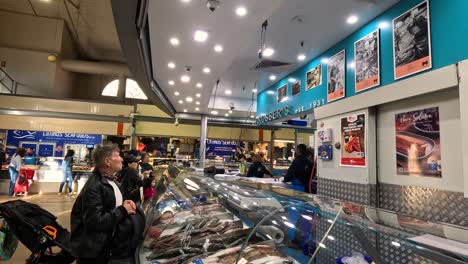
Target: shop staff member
{"type": "Point", "coordinates": [300, 170]}
{"type": "Point", "coordinates": [257, 169]}
{"type": "Point", "coordinates": [99, 209]}
{"type": "Point", "coordinates": [14, 168]}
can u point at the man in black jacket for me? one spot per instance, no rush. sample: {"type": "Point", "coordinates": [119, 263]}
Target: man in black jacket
{"type": "Point", "coordinates": [300, 170]}
{"type": "Point", "coordinates": [99, 209]}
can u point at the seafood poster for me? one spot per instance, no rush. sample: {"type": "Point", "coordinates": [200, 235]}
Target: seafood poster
{"type": "Point", "coordinates": [366, 54]}
{"type": "Point", "coordinates": [412, 41]}
{"type": "Point", "coordinates": [418, 143]}
{"type": "Point", "coordinates": [353, 140]}
{"type": "Point", "coordinates": [336, 72]}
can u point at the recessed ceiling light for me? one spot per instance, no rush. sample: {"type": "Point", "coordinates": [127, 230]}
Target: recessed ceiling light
{"type": "Point", "coordinates": [185, 78]}
{"type": "Point", "coordinates": [189, 99]}
{"type": "Point", "coordinates": [176, 93]}
{"type": "Point", "coordinates": [174, 41]}
{"type": "Point", "coordinates": [200, 36]}
{"type": "Point", "coordinates": [324, 60]}
{"type": "Point", "coordinates": [171, 82]}
{"type": "Point", "coordinates": [228, 92]}
{"type": "Point", "coordinates": [206, 70]}
{"type": "Point", "coordinates": [197, 103]}
{"type": "Point", "coordinates": [270, 92]}
{"type": "Point", "coordinates": [186, 1]}
{"type": "Point", "coordinates": [198, 95]}
{"type": "Point", "coordinates": [181, 102]}
{"type": "Point", "coordinates": [292, 80]}
{"type": "Point", "coordinates": [254, 90]}
{"type": "Point", "coordinates": [199, 85]}
{"type": "Point", "coordinates": [171, 65]}
{"type": "Point", "coordinates": [226, 115]}
{"type": "Point", "coordinates": [352, 19]}
{"type": "Point", "coordinates": [230, 111]}
{"type": "Point", "coordinates": [272, 77]}
{"type": "Point", "coordinates": [218, 48]}
{"type": "Point", "coordinates": [214, 112]}
{"type": "Point", "coordinates": [252, 116]}
{"type": "Point", "coordinates": [384, 24]}
{"type": "Point", "coordinates": [268, 52]}
{"type": "Point", "coordinates": [185, 110]}
{"type": "Point", "coordinates": [197, 109]}
{"type": "Point", "coordinates": [241, 11]}
{"type": "Point", "coordinates": [301, 57]}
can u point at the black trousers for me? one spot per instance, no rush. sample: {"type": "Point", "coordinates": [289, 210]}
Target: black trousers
{"type": "Point", "coordinates": [98, 260]}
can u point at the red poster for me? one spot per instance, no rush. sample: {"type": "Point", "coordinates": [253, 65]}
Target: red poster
{"type": "Point", "coordinates": [353, 140]}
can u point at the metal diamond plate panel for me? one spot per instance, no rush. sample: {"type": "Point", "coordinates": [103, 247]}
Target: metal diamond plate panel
{"type": "Point", "coordinates": [347, 191]}
{"type": "Point", "coordinates": [425, 203]}
{"type": "Point", "coordinates": [395, 251]}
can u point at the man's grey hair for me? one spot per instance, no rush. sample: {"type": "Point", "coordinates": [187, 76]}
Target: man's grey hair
{"type": "Point", "coordinates": [103, 152]}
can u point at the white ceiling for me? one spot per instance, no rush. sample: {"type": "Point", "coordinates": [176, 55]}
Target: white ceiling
{"type": "Point", "coordinates": [324, 24]}
{"type": "Point", "coordinates": [94, 23]}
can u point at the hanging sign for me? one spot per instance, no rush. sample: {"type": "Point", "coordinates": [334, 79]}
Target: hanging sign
{"type": "Point", "coordinates": [353, 140]}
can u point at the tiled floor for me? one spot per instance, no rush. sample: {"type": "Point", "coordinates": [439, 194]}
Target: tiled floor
{"type": "Point", "coordinates": [59, 205]}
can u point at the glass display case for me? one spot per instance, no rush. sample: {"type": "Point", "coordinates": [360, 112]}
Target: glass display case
{"type": "Point", "coordinates": [198, 219]}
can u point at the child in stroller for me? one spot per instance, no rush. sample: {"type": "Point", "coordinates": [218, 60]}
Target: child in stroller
{"type": "Point", "coordinates": [39, 231]}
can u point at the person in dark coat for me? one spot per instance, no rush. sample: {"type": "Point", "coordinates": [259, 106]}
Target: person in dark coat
{"type": "Point", "coordinates": [257, 169]}
{"type": "Point", "coordinates": [98, 210]}
{"type": "Point", "coordinates": [131, 182]}
{"type": "Point", "coordinates": [145, 166]}
{"type": "Point", "coordinates": [300, 170]}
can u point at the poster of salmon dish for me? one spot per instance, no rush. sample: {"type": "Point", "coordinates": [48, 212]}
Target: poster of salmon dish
{"type": "Point", "coordinates": [418, 143]}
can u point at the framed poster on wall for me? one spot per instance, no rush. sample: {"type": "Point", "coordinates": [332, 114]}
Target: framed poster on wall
{"type": "Point", "coordinates": [412, 41]}
{"type": "Point", "coordinates": [418, 143]}
{"type": "Point", "coordinates": [336, 76]}
{"type": "Point", "coordinates": [282, 93]}
{"type": "Point", "coordinates": [314, 77]}
{"type": "Point", "coordinates": [353, 140]}
{"type": "Point", "coordinates": [366, 57]}
{"type": "Point", "coordinates": [296, 88]}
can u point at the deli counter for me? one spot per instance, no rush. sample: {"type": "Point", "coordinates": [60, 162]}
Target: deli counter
{"type": "Point", "coordinates": [198, 219]}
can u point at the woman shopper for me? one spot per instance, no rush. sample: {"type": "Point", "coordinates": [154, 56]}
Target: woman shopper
{"type": "Point", "coordinates": [257, 169]}
{"type": "Point", "coordinates": [14, 168]}
{"type": "Point", "coordinates": [66, 167]}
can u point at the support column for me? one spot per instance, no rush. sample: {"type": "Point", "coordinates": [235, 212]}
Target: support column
{"type": "Point", "coordinates": [133, 138]}
{"type": "Point", "coordinates": [203, 135]}
{"type": "Point", "coordinates": [272, 146]}
{"type": "Point", "coordinates": [463, 91]}
{"type": "Point", "coordinates": [122, 86]}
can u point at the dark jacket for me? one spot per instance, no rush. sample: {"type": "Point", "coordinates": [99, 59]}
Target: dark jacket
{"type": "Point", "coordinates": [94, 218]}
{"type": "Point", "coordinates": [257, 170]}
{"type": "Point", "coordinates": [2, 157]}
{"type": "Point", "coordinates": [128, 235]}
{"type": "Point", "coordinates": [300, 169]}
{"type": "Point", "coordinates": [130, 184]}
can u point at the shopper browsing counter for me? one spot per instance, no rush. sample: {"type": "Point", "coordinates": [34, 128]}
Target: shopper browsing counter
{"type": "Point", "coordinates": [257, 169]}
{"type": "Point", "coordinates": [300, 170]}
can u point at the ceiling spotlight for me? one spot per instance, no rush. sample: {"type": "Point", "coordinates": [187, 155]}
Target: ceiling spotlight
{"type": "Point", "coordinates": [199, 85]}
{"type": "Point", "coordinates": [197, 103]}
{"type": "Point", "coordinates": [185, 78]}
{"type": "Point", "coordinates": [189, 99]}
{"type": "Point", "coordinates": [176, 93]}
{"type": "Point", "coordinates": [384, 24]}
{"type": "Point", "coordinates": [352, 19]}
{"type": "Point", "coordinates": [198, 95]}
{"type": "Point", "coordinates": [171, 65]}
{"type": "Point", "coordinates": [228, 92]}
{"type": "Point", "coordinates": [197, 109]}
{"type": "Point", "coordinates": [301, 57]}
{"type": "Point", "coordinates": [214, 112]}
{"type": "Point", "coordinates": [181, 102]}
{"type": "Point", "coordinates": [174, 41]}
{"type": "Point", "coordinates": [272, 77]}
{"type": "Point", "coordinates": [186, 1]}
{"type": "Point", "coordinates": [185, 110]}
{"type": "Point", "coordinates": [241, 11]}
{"type": "Point", "coordinates": [324, 60]}
{"type": "Point", "coordinates": [230, 111]}
{"type": "Point", "coordinates": [252, 116]}
{"type": "Point", "coordinates": [226, 115]}
{"type": "Point", "coordinates": [254, 90]}
{"type": "Point", "coordinates": [206, 70]}
{"type": "Point", "coordinates": [200, 36]}
{"type": "Point", "coordinates": [171, 82]}
{"type": "Point", "coordinates": [292, 80]}
{"type": "Point", "coordinates": [268, 52]}
{"type": "Point", "coordinates": [270, 92]}
{"type": "Point", "coordinates": [218, 48]}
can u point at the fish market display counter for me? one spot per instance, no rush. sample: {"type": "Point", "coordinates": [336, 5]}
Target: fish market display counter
{"type": "Point", "coordinates": [202, 220]}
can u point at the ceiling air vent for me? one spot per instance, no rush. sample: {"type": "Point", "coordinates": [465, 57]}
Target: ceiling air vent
{"type": "Point", "coordinates": [272, 66]}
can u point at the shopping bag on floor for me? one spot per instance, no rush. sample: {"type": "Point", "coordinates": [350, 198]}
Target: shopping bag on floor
{"type": "Point", "coordinates": [21, 185]}
{"type": "Point", "coordinates": [8, 241]}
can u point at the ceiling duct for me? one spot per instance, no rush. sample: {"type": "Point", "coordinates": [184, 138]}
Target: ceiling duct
{"type": "Point", "coordinates": [272, 66]}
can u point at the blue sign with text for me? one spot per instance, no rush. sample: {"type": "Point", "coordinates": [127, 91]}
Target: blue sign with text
{"type": "Point", "coordinates": [221, 148]}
